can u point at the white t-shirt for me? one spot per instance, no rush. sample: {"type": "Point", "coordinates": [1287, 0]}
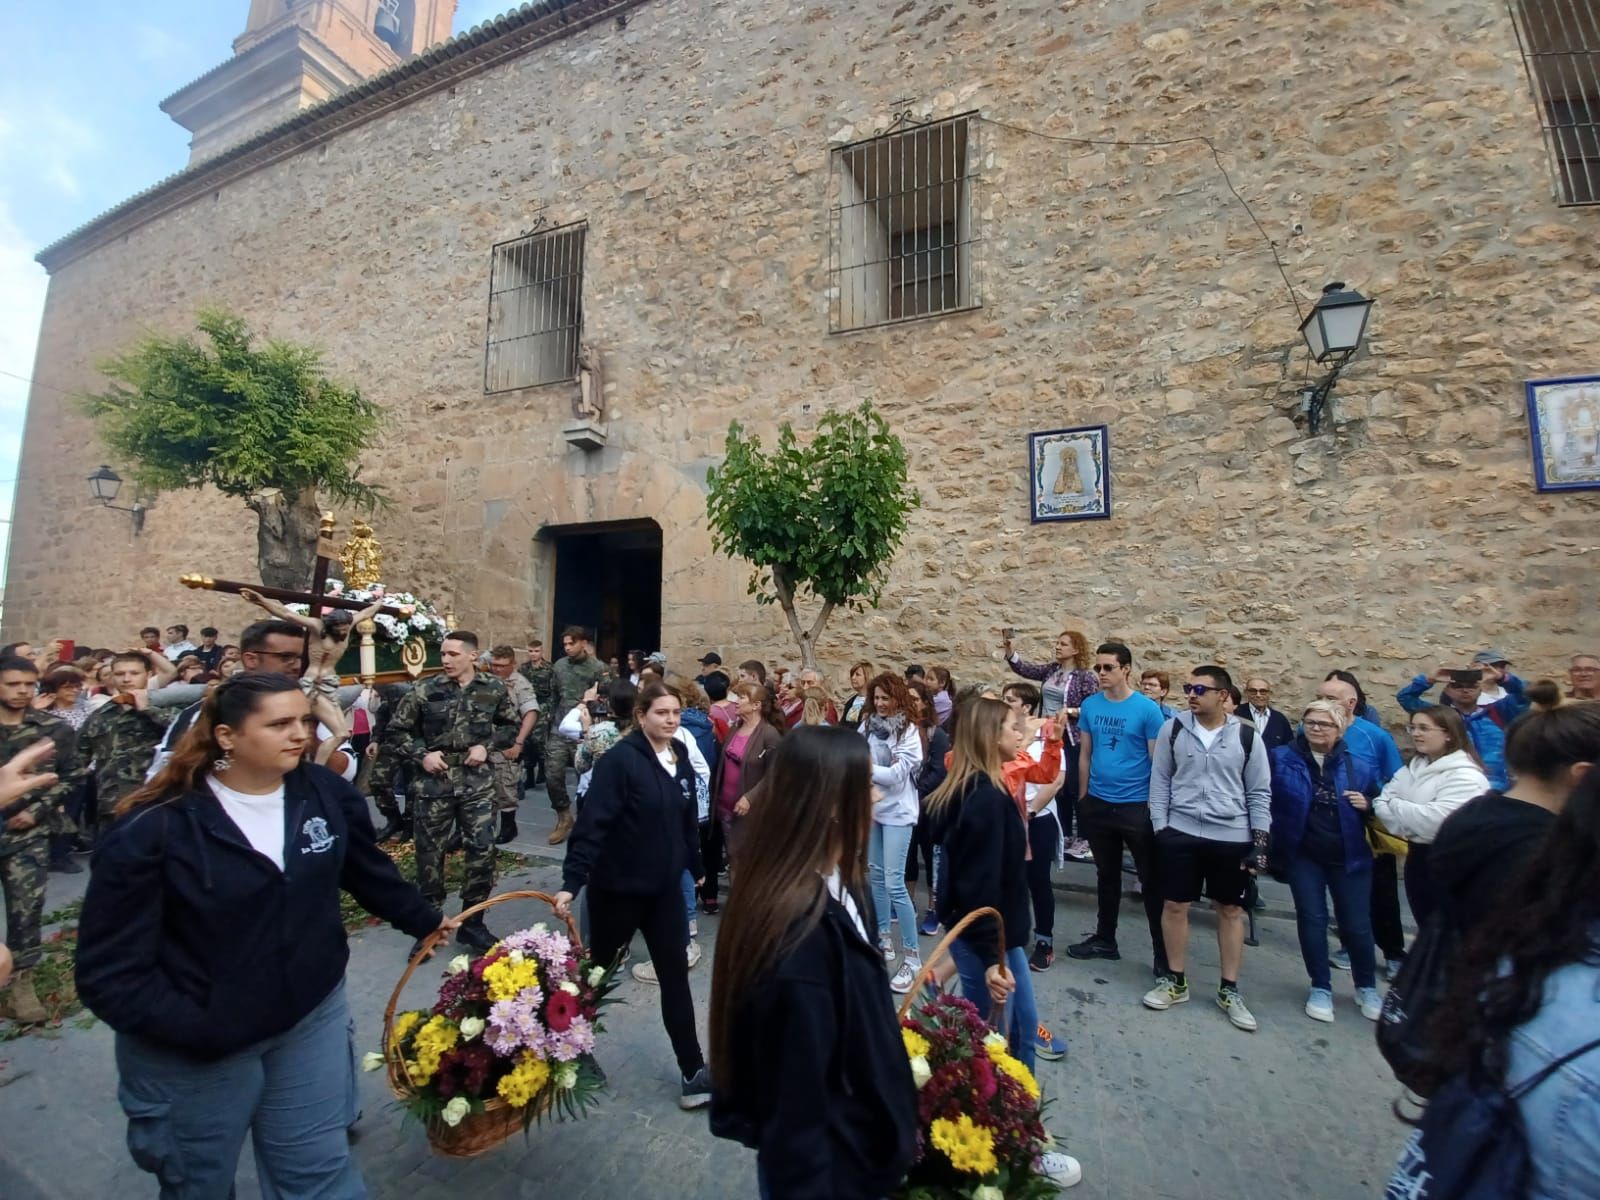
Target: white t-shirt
{"type": "Point", "coordinates": [1206, 736]}
{"type": "Point", "coordinates": [1031, 790]}
{"type": "Point", "coordinates": [259, 818]}
{"type": "Point", "coordinates": [837, 890]}
{"type": "Point", "coordinates": [668, 760]}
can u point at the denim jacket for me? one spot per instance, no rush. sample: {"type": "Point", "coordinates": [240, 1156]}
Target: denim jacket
{"type": "Point", "coordinates": [1562, 1114]}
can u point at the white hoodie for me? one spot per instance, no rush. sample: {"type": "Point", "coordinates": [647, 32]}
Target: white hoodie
{"type": "Point", "coordinates": [894, 770]}
{"type": "Point", "coordinates": [1422, 794]}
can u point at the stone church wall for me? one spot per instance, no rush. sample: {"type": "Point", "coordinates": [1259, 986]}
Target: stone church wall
{"type": "Point", "coordinates": [1120, 285]}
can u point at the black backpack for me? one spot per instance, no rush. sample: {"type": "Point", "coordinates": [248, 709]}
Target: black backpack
{"type": "Point", "coordinates": [1471, 1143]}
{"type": "Point", "coordinates": [1418, 988]}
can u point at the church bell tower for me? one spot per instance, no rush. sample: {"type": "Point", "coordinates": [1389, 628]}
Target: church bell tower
{"type": "Point", "coordinates": [296, 53]}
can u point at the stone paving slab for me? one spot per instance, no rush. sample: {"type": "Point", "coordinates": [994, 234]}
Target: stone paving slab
{"type": "Point", "coordinates": [1176, 1104]}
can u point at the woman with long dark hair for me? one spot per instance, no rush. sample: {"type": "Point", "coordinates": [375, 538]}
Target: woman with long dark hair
{"type": "Point", "coordinates": [211, 942]}
{"type": "Point", "coordinates": [935, 748]}
{"type": "Point", "coordinates": [1526, 1002]}
{"type": "Point", "coordinates": [1443, 775]}
{"type": "Point", "coordinates": [810, 1072]}
{"type": "Point", "coordinates": [636, 834]}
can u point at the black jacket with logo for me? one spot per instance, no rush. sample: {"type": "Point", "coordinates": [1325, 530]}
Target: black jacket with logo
{"type": "Point", "coordinates": [193, 939]}
{"type": "Point", "coordinates": [639, 827]}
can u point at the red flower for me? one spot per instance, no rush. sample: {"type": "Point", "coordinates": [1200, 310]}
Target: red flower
{"type": "Point", "coordinates": [560, 1011]}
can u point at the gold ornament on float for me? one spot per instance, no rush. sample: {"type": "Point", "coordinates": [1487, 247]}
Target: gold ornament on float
{"type": "Point", "coordinates": [362, 557]}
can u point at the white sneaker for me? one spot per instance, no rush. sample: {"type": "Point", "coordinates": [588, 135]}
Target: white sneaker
{"type": "Point", "coordinates": [1370, 1002]}
{"type": "Point", "coordinates": [1232, 1003]}
{"type": "Point", "coordinates": [694, 955]}
{"type": "Point", "coordinates": [644, 972]}
{"type": "Point", "coordinates": [1319, 1005]}
{"type": "Point", "coordinates": [904, 977]}
{"type": "Point", "coordinates": [887, 948]}
{"type": "Point", "coordinates": [694, 929]}
{"type": "Point", "coordinates": [1060, 1169]}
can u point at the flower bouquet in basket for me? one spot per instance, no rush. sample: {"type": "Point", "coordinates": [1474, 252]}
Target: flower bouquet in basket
{"type": "Point", "coordinates": [510, 1040]}
{"type": "Point", "coordinates": [982, 1130]}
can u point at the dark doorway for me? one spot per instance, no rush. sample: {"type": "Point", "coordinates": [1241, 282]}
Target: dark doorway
{"type": "Point", "coordinates": [608, 577]}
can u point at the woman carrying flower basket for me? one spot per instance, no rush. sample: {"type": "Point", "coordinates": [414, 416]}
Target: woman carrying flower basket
{"type": "Point", "coordinates": [211, 942]}
{"type": "Point", "coordinates": [811, 1070]}
{"type": "Point", "coordinates": [637, 832]}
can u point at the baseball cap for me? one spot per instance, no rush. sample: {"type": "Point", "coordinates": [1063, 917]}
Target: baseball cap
{"type": "Point", "coordinates": [711, 659]}
{"type": "Point", "coordinates": [1490, 657]}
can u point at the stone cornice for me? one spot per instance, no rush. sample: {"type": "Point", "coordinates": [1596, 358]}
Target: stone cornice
{"type": "Point", "coordinates": [485, 46]}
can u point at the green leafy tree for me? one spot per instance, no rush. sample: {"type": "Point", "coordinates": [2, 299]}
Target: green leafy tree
{"type": "Point", "coordinates": [820, 520]}
{"type": "Point", "coordinates": [262, 423]}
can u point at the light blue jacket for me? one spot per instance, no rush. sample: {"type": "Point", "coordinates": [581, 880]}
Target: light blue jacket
{"type": "Point", "coordinates": [1562, 1114]}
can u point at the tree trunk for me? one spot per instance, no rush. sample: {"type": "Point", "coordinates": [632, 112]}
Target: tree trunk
{"type": "Point", "coordinates": [286, 538]}
{"type": "Point", "coordinates": [805, 639]}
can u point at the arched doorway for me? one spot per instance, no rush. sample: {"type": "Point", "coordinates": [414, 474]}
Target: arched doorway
{"type": "Point", "coordinates": [607, 577]}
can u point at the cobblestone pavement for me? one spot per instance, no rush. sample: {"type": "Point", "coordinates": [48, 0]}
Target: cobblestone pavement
{"type": "Point", "coordinates": [1156, 1105]}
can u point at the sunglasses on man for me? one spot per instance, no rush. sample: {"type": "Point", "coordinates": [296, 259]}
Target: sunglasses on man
{"type": "Point", "coordinates": [1199, 689]}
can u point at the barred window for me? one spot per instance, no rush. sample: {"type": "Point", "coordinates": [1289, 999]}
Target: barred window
{"type": "Point", "coordinates": [1560, 42]}
{"type": "Point", "coordinates": [902, 233]}
{"type": "Point", "coordinates": [535, 310]}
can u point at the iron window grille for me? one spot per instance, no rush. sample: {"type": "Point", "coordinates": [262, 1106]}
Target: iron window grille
{"type": "Point", "coordinates": [1560, 42]}
{"type": "Point", "coordinates": [535, 310]}
{"type": "Point", "coordinates": [903, 242]}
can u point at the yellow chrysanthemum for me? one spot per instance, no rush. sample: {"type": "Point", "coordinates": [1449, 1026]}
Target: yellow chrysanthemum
{"type": "Point", "coordinates": [1014, 1068]}
{"type": "Point", "coordinates": [916, 1045]}
{"type": "Point", "coordinates": [432, 1041]}
{"type": "Point", "coordinates": [525, 1081]}
{"type": "Point", "coordinates": [507, 978]}
{"type": "Point", "coordinates": [403, 1024]}
{"type": "Point", "coordinates": [969, 1147]}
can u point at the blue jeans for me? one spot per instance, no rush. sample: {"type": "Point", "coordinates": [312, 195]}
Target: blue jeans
{"type": "Point", "coordinates": [886, 865]}
{"type": "Point", "coordinates": [295, 1094]}
{"type": "Point", "coordinates": [1309, 883]}
{"type": "Point", "coordinates": [688, 894]}
{"type": "Point", "coordinates": [1022, 1016]}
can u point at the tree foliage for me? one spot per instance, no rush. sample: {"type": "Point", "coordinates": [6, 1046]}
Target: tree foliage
{"type": "Point", "coordinates": [242, 418]}
{"type": "Point", "coordinates": [821, 519]}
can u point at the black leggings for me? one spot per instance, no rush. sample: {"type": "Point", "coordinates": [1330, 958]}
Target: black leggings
{"type": "Point", "coordinates": [1043, 833]}
{"type": "Point", "coordinates": [921, 842]}
{"type": "Point", "coordinates": [614, 917]}
{"type": "Point", "coordinates": [711, 853]}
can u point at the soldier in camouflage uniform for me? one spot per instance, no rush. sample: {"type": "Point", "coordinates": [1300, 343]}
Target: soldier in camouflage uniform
{"type": "Point", "coordinates": [507, 763]}
{"type": "Point", "coordinates": [538, 672]}
{"type": "Point", "coordinates": [445, 729]}
{"type": "Point", "coordinates": [570, 678]}
{"type": "Point", "coordinates": [25, 828]}
{"type": "Point", "coordinates": [387, 775]}
{"type": "Point", "coordinates": [121, 737]}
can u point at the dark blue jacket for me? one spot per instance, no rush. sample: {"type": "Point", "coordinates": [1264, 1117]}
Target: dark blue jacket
{"type": "Point", "coordinates": [1486, 724]}
{"type": "Point", "coordinates": [639, 827]}
{"type": "Point", "coordinates": [705, 736]}
{"type": "Point", "coordinates": [1293, 785]}
{"type": "Point", "coordinates": [193, 939]}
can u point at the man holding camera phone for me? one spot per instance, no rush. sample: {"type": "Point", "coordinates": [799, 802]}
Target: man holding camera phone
{"type": "Point", "coordinates": [1486, 723]}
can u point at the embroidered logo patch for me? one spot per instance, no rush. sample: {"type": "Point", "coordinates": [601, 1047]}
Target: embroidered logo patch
{"type": "Point", "coordinates": [321, 840]}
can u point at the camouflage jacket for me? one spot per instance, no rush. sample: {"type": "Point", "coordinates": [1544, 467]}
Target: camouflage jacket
{"type": "Point", "coordinates": [440, 714]}
{"type": "Point", "coordinates": [45, 805]}
{"type": "Point", "coordinates": [541, 678]}
{"type": "Point", "coordinates": [570, 680]}
{"type": "Point", "coordinates": [121, 740]}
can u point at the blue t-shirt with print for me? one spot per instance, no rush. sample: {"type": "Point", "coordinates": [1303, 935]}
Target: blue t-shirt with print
{"type": "Point", "coordinates": [1120, 734]}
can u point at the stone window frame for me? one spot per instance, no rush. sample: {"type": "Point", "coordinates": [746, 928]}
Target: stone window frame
{"type": "Point", "coordinates": [1560, 45]}
{"type": "Point", "coordinates": [535, 320]}
{"type": "Point", "coordinates": [904, 243]}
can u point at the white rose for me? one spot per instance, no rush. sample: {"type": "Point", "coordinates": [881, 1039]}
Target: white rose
{"type": "Point", "coordinates": [372, 1061]}
{"type": "Point", "coordinates": [541, 927]}
{"type": "Point", "coordinates": [994, 1041]}
{"type": "Point", "coordinates": [460, 963]}
{"type": "Point", "coordinates": [596, 974]}
{"type": "Point", "coordinates": [456, 1110]}
{"type": "Point", "coordinates": [570, 988]}
{"type": "Point", "coordinates": [987, 1192]}
{"type": "Point", "coordinates": [921, 1072]}
{"type": "Point", "coordinates": [515, 956]}
{"type": "Point", "coordinates": [471, 1027]}
{"type": "Point", "coordinates": [567, 1077]}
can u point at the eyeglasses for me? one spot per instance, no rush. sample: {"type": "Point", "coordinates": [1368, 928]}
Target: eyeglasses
{"type": "Point", "coordinates": [1199, 689]}
{"type": "Point", "coordinates": [1107, 668]}
{"type": "Point", "coordinates": [1319, 725]}
{"type": "Point", "coordinates": [1257, 691]}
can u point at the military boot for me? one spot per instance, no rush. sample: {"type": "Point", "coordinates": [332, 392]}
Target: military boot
{"type": "Point", "coordinates": [21, 1003]}
{"type": "Point", "coordinates": [564, 824]}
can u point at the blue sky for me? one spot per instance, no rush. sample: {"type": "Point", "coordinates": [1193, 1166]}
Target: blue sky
{"type": "Point", "coordinates": [80, 130]}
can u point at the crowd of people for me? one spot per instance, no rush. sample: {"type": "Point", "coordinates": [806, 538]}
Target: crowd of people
{"type": "Point", "coordinates": [231, 823]}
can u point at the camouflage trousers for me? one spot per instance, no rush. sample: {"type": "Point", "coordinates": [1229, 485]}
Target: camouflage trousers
{"type": "Point", "coordinates": [469, 806]}
{"type": "Point", "coordinates": [558, 752]}
{"type": "Point", "coordinates": [507, 782]}
{"type": "Point", "coordinates": [24, 871]}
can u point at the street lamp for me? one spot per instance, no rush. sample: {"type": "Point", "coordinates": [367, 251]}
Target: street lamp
{"type": "Point", "coordinates": [104, 485]}
{"type": "Point", "coordinates": [1334, 331]}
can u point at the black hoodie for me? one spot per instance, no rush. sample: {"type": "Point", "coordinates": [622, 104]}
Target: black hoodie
{"type": "Point", "coordinates": [1480, 850]}
{"type": "Point", "coordinates": [193, 939]}
{"type": "Point", "coordinates": [639, 827]}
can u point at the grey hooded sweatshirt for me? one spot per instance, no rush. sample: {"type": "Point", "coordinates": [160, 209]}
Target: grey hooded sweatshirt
{"type": "Point", "coordinates": [1214, 792]}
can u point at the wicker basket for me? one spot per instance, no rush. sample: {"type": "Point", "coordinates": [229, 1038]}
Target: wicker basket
{"type": "Point", "coordinates": [478, 1132]}
{"type": "Point", "coordinates": [997, 1012]}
